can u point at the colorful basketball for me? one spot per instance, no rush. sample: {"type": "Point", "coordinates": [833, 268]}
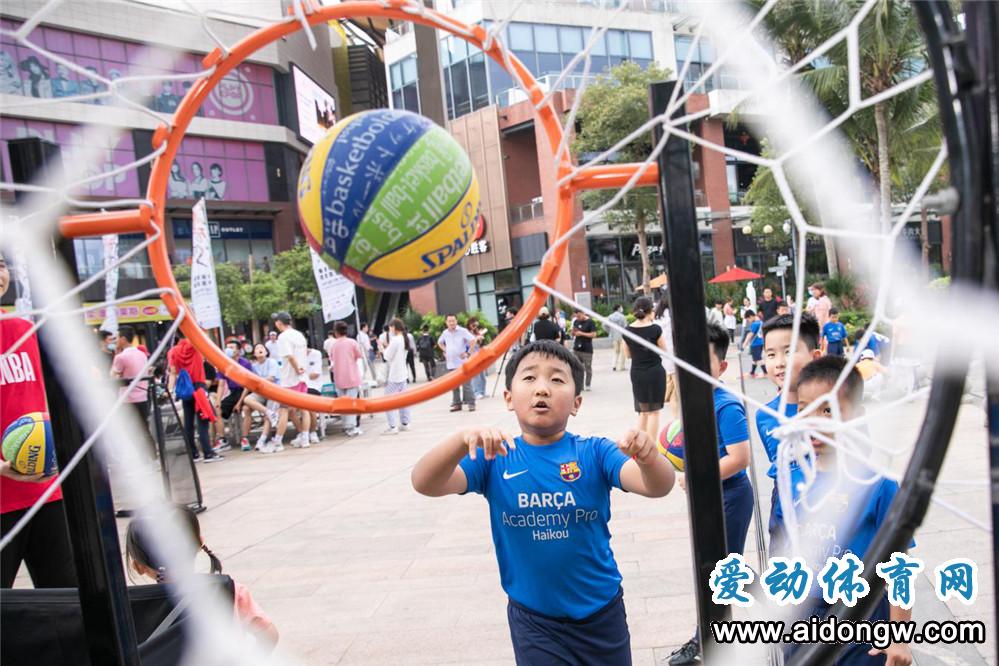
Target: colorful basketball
{"type": "Point", "coordinates": [671, 443]}
{"type": "Point", "coordinates": [388, 199]}
{"type": "Point", "coordinates": [27, 444]}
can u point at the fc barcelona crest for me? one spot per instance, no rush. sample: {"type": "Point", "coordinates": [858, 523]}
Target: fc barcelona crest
{"type": "Point", "coordinates": [569, 471]}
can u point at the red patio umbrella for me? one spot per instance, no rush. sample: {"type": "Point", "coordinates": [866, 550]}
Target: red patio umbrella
{"type": "Point", "coordinates": [735, 275]}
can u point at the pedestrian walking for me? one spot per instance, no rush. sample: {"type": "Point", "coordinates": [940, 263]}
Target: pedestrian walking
{"type": "Point", "coordinates": [395, 379]}
{"type": "Point", "coordinates": [457, 342]}
{"type": "Point", "coordinates": [583, 332]}
{"type": "Point", "coordinates": [617, 338]}
{"type": "Point", "coordinates": [648, 377]}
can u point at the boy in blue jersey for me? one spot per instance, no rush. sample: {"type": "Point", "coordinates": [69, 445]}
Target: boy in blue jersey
{"type": "Point", "coordinates": [849, 513]}
{"type": "Point", "coordinates": [733, 453]}
{"type": "Point", "coordinates": [779, 359]}
{"type": "Point", "coordinates": [753, 326]}
{"type": "Point", "coordinates": [549, 505]}
{"type": "Point", "coordinates": [834, 336]}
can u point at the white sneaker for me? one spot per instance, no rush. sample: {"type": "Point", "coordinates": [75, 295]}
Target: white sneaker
{"type": "Point", "coordinates": [277, 444]}
{"type": "Point", "coordinates": [392, 431]}
{"type": "Point", "coordinates": [404, 426]}
{"type": "Point", "coordinates": [261, 442]}
{"type": "Point", "coordinates": [266, 448]}
{"type": "Point", "coordinates": [353, 432]}
{"type": "Point", "coordinates": [314, 437]}
{"type": "Point", "coordinates": [301, 441]}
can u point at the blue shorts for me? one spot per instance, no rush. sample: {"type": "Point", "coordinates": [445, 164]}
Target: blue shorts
{"type": "Point", "coordinates": [737, 497]}
{"type": "Point", "coordinates": [834, 348]}
{"type": "Point", "coordinates": [757, 352]}
{"type": "Point", "coordinates": [851, 654]}
{"type": "Point", "coordinates": [601, 638]}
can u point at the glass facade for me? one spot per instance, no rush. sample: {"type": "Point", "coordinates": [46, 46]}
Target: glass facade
{"type": "Point", "coordinates": [90, 257]}
{"type": "Point", "coordinates": [405, 88]}
{"type": "Point", "coordinates": [233, 241]}
{"type": "Point", "coordinates": [701, 57]}
{"type": "Point", "coordinates": [616, 264]}
{"type": "Point", "coordinates": [472, 81]}
{"type": "Point", "coordinates": [494, 293]}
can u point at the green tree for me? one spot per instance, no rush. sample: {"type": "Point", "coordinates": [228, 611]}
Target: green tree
{"type": "Point", "coordinates": [613, 107]}
{"type": "Point", "coordinates": [897, 138]}
{"type": "Point", "coordinates": [267, 294]}
{"type": "Point", "coordinates": [294, 269]}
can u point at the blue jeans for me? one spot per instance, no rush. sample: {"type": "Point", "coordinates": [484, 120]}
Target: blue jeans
{"type": "Point", "coordinates": [479, 384]}
{"type": "Point", "coordinates": [192, 417]}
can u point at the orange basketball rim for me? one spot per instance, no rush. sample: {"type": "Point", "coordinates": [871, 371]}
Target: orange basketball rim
{"type": "Point", "coordinates": [148, 221]}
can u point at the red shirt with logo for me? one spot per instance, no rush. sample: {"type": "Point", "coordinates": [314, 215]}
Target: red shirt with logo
{"type": "Point", "coordinates": [22, 391]}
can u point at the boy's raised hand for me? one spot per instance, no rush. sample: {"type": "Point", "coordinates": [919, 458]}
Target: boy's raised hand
{"type": "Point", "coordinates": [639, 445]}
{"type": "Point", "coordinates": [489, 439]}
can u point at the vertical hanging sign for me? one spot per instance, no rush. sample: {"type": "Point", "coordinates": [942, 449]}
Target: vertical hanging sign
{"type": "Point", "coordinates": [110, 242]}
{"type": "Point", "coordinates": [204, 293]}
{"type": "Point", "coordinates": [335, 291]}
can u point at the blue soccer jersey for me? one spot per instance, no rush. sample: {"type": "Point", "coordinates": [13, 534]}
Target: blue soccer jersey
{"type": "Point", "coordinates": [757, 328]}
{"type": "Point", "coordinates": [730, 419]}
{"type": "Point", "coordinates": [766, 424]}
{"type": "Point", "coordinates": [848, 516]}
{"type": "Point", "coordinates": [549, 507]}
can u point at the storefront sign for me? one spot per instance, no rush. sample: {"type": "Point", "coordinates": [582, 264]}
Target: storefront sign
{"type": "Point", "coordinates": [478, 244]}
{"type": "Point", "coordinates": [129, 312]}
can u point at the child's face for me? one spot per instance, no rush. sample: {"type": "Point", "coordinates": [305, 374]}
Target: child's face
{"type": "Point", "coordinates": [834, 317]}
{"type": "Point", "coordinates": [543, 395]}
{"type": "Point", "coordinates": [779, 359]}
{"type": "Point", "coordinates": [808, 393]}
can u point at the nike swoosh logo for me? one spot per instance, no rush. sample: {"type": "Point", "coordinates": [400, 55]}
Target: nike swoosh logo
{"type": "Point", "coordinates": [507, 475]}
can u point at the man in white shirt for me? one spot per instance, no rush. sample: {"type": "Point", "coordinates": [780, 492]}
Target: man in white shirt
{"type": "Point", "coordinates": [292, 350]}
{"type": "Point", "coordinates": [456, 343]}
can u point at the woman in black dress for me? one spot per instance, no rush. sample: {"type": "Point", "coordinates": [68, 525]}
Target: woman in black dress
{"type": "Point", "coordinates": [648, 377]}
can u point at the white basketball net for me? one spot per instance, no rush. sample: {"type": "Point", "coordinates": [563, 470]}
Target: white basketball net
{"type": "Point", "coordinates": [807, 148]}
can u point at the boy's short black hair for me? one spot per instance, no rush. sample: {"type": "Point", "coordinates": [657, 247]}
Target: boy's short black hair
{"type": "Point", "coordinates": [827, 370]}
{"type": "Point", "coordinates": [551, 349]}
{"type": "Point", "coordinates": [750, 313]}
{"type": "Point", "coordinates": [127, 332]}
{"type": "Point", "coordinates": [340, 328]}
{"type": "Point", "coordinates": [717, 340]}
{"type": "Point", "coordinates": [833, 311]}
{"type": "Point", "coordinates": [808, 332]}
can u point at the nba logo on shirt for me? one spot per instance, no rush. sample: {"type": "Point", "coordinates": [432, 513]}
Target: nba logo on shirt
{"type": "Point", "coordinates": [569, 471]}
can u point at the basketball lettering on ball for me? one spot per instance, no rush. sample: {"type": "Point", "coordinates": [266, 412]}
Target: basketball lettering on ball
{"type": "Point", "coordinates": [28, 446]}
{"type": "Point", "coordinates": [388, 199]}
{"type": "Point", "coordinates": [671, 443]}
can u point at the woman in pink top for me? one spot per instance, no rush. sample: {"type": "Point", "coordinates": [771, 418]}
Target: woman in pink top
{"type": "Point", "coordinates": [143, 559]}
{"type": "Point", "coordinates": [822, 303]}
{"type": "Point", "coordinates": [344, 353]}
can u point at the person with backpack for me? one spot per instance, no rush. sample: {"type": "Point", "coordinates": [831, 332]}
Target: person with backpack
{"type": "Point", "coordinates": [187, 381]}
{"type": "Point", "coordinates": [425, 348]}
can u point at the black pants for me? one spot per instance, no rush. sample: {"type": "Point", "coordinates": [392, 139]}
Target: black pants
{"type": "Point", "coordinates": [191, 416]}
{"type": "Point", "coordinates": [43, 545]}
{"type": "Point", "coordinates": [411, 362]}
{"type": "Point", "coordinates": [141, 410]}
{"type": "Point", "coordinates": [430, 368]}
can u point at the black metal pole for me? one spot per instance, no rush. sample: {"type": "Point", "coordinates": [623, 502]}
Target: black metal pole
{"type": "Point", "coordinates": [107, 616]}
{"type": "Point", "coordinates": [690, 339]}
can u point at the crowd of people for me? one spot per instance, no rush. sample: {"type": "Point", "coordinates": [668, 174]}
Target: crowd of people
{"type": "Point", "coordinates": [565, 601]}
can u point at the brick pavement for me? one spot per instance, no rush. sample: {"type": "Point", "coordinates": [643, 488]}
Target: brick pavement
{"type": "Point", "coordinates": [356, 568]}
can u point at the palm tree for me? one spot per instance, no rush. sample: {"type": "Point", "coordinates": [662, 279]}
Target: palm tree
{"type": "Point", "coordinates": [896, 139]}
